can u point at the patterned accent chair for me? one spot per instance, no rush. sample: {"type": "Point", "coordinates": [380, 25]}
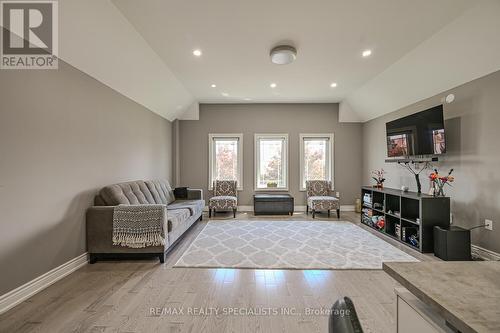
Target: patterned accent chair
{"type": "Point", "coordinates": [320, 198]}
{"type": "Point", "coordinates": [225, 197]}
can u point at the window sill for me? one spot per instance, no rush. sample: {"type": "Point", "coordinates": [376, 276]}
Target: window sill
{"type": "Point", "coordinates": [266, 189]}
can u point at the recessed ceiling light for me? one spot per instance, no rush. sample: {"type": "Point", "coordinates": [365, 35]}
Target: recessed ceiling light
{"type": "Point", "coordinates": [247, 99]}
{"type": "Point", "coordinates": [367, 53]}
{"type": "Point", "coordinates": [213, 86]}
{"type": "Point", "coordinates": [273, 85]}
{"type": "Point", "coordinates": [197, 53]}
{"type": "Point", "coordinates": [333, 84]}
{"type": "Point", "coordinates": [225, 94]}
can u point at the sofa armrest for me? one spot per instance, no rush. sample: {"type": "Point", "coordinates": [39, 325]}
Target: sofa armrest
{"type": "Point", "coordinates": [99, 232]}
{"type": "Point", "coordinates": [99, 228]}
{"type": "Point", "coordinates": [195, 194]}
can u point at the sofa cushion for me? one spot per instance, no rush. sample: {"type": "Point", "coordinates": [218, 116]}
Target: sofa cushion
{"type": "Point", "coordinates": [161, 191]}
{"type": "Point", "coordinates": [177, 218]}
{"type": "Point", "coordinates": [129, 193]}
{"type": "Point", "coordinates": [195, 206]}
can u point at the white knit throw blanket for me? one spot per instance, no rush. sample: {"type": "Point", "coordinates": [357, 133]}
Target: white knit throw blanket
{"type": "Point", "coordinates": [138, 226]}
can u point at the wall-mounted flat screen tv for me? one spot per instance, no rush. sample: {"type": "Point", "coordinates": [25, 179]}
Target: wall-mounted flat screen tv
{"type": "Point", "coordinates": [421, 133]}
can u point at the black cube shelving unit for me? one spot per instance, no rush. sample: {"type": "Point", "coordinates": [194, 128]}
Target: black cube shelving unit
{"type": "Point", "coordinates": [406, 214]}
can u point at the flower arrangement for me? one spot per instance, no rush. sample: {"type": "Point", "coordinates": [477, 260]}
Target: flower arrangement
{"type": "Point", "coordinates": [438, 182]}
{"type": "Point", "coordinates": [379, 177]}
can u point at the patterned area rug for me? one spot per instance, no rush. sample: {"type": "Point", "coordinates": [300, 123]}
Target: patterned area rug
{"type": "Point", "coordinates": [288, 245]}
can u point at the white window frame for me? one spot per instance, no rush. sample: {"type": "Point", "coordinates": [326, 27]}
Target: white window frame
{"type": "Point", "coordinates": [330, 156]}
{"type": "Point", "coordinates": [211, 157]}
{"type": "Point", "coordinates": [285, 154]}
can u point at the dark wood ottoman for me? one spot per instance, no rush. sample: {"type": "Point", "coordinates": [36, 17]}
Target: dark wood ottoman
{"type": "Point", "coordinates": [273, 204]}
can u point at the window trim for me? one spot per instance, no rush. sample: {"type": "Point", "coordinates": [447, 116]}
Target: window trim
{"type": "Point", "coordinates": [211, 157]}
{"type": "Point", "coordinates": [257, 137]}
{"type": "Point", "coordinates": [331, 159]}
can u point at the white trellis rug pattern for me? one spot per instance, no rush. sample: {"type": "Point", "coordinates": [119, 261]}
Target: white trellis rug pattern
{"type": "Point", "coordinates": [289, 245]}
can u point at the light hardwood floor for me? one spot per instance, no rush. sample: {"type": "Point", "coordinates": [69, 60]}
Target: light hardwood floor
{"type": "Point", "coordinates": [136, 296]}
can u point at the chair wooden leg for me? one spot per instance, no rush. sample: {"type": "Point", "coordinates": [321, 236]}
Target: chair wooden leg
{"type": "Point", "coordinates": [210, 212]}
{"type": "Point", "coordinates": [328, 213]}
{"type": "Point", "coordinates": [307, 209]}
{"type": "Point", "coordinates": [338, 213]}
{"type": "Point", "coordinates": [313, 213]}
{"type": "Point", "coordinates": [234, 212]}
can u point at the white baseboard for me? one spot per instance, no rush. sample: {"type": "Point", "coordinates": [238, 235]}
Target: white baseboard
{"type": "Point", "coordinates": [245, 208]}
{"type": "Point", "coordinates": [484, 254]}
{"type": "Point", "coordinates": [343, 208]}
{"type": "Point", "coordinates": [298, 208]}
{"type": "Point", "coordinates": [22, 293]}
{"type": "Point", "coordinates": [347, 208]}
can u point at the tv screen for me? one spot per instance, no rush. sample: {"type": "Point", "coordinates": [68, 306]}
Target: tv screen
{"type": "Point", "coordinates": [418, 134]}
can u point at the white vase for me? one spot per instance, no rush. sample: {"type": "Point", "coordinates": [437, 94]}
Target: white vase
{"type": "Point", "coordinates": [432, 190]}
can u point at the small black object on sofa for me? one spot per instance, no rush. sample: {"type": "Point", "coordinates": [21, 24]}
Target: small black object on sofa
{"type": "Point", "coordinates": [181, 193]}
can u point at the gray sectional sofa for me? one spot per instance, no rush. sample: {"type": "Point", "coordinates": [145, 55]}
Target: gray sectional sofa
{"type": "Point", "coordinates": [180, 214]}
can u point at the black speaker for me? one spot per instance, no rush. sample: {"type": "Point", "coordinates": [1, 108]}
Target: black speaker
{"type": "Point", "coordinates": [452, 244]}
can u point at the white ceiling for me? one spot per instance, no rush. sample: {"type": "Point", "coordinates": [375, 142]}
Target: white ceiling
{"type": "Point", "coordinates": [97, 39]}
{"type": "Point", "coordinates": [236, 37]}
{"type": "Point", "coordinates": [143, 50]}
{"type": "Point", "coordinates": [466, 49]}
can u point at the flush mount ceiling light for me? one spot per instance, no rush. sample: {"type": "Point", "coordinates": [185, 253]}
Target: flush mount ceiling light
{"type": "Point", "coordinates": [333, 84]}
{"type": "Point", "coordinates": [213, 85]}
{"type": "Point", "coordinates": [367, 53]}
{"type": "Point", "coordinates": [283, 55]}
{"type": "Point", "coordinates": [197, 53]}
{"type": "Point", "coordinates": [273, 85]}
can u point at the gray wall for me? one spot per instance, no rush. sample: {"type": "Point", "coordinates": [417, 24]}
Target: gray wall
{"type": "Point", "coordinates": [63, 135]}
{"type": "Point", "coordinates": [473, 143]}
{"type": "Point", "coordinates": [271, 118]}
